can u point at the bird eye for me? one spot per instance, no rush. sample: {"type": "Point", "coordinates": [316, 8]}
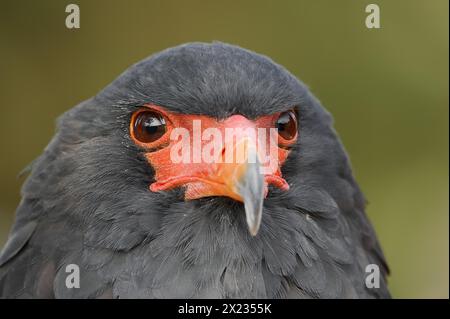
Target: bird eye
{"type": "Point", "coordinates": [287, 125]}
{"type": "Point", "coordinates": [148, 126]}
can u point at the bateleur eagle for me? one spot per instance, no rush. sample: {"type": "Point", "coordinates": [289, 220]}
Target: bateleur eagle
{"type": "Point", "coordinates": [116, 195]}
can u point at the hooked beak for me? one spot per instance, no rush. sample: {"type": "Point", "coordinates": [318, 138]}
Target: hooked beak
{"type": "Point", "coordinates": [251, 187]}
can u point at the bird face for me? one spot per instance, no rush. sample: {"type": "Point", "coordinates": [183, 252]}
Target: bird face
{"type": "Point", "coordinates": [235, 157]}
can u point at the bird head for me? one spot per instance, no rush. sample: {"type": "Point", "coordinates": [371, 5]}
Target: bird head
{"type": "Point", "coordinates": [205, 163]}
{"type": "Point", "coordinates": [210, 123]}
{"type": "Point", "coordinates": [208, 131]}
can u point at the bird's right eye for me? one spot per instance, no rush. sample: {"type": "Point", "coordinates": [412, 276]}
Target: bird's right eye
{"type": "Point", "coordinates": [148, 126]}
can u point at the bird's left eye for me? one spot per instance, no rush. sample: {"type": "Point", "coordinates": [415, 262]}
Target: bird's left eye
{"type": "Point", "coordinates": [287, 125]}
{"type": "Point", "coordinates": [148, 126]}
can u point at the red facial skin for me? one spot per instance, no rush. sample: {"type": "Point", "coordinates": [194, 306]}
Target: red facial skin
{"type": "Point", "coordinates": [206, 179]}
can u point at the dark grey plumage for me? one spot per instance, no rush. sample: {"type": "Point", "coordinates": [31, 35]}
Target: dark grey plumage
{"type": "Point", "coordinates": [87, 201]}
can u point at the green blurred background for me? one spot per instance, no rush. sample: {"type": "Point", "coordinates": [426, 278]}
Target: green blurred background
{"type": "Point", "coordinates": [387, 90]}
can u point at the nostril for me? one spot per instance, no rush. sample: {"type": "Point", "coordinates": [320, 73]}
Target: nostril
{"type": "Point", "coordinates": [222, 155]}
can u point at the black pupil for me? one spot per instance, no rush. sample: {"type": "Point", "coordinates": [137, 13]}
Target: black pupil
{"type": "Point", "coordinates": [149, 127]}
{"type": "Point", "coordinates": [283, 121]}
{"type": "Point", "coordinates": [286, 125]}
{"type": "Point", "coordinates": [153, 125]}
